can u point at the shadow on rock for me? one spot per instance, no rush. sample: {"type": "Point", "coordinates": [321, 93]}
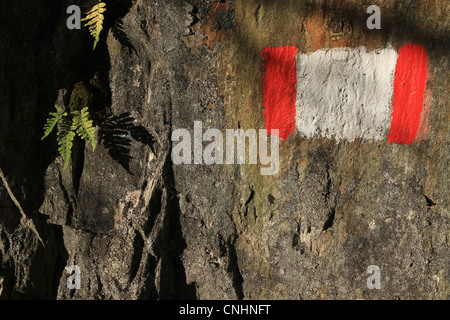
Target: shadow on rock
{"type": "Point", "coordinates": [116, 134]}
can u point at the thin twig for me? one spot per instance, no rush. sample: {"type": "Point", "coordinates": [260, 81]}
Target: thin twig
{"type": "Point", "coordinates": [25, 221]}
{"type": "Point", "coordinates": [218, 2]}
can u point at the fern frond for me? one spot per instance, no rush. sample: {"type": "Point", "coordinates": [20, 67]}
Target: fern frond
{"type": "Point", "coordinates": [94, 19]}
{"type": "Point", "coordinates": [83, 126]}
{"type": "Point", "coordinates": [54, 118]}
{"type": "Point", "coordinates": [65, 140]}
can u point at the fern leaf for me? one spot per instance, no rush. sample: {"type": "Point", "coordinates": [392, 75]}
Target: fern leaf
{"type": "Point", "coordinates": [65, 140]}
{"type": "Point", "coordinates": [83, 126]}
{"type": "Point", "coordinates": [54, 118]}
{"type": "Point", "coordinates": [94, 19]}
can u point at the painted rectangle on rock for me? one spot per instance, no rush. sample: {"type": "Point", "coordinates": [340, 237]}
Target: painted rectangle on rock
{"type": "Point", "coordinates": [345, 93]}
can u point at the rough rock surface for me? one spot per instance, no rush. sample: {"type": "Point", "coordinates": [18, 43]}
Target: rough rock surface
{"type": "Point", "coordinates": [141, 228]}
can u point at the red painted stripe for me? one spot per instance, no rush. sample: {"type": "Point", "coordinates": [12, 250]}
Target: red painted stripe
{"type": "Point", "coordinates": [279, 89]}
{"type": "Point", "coordinates": [409, 89]}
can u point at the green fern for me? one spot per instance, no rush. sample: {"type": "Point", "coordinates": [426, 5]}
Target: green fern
{"type": "Point", "coordinates": [94, 18]}
{"type": "Point", "coordinates": [65, 140]}
{"type": "Point", "coordinates": [76, 123]}
{"type": "Point", "coordinates": [83, 126]}
{"type": "Point", "coordinates": [53, 120]}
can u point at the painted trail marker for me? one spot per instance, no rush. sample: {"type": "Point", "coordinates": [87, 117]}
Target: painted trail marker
{"type": "Point", "coordinates": [280, 79]}
{"type": "Point", "coordinates": [345, 93]}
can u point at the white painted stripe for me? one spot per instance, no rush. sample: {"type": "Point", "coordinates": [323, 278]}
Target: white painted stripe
{"type": "Point", "coordinates": [345, 93]}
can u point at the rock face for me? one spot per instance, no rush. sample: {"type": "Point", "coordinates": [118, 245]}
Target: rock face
{"type": "Point", "coordinates": [139, 227]}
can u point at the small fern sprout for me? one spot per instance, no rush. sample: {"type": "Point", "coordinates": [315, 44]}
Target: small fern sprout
{"type": "Point", "coordinates": [94, 18]}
